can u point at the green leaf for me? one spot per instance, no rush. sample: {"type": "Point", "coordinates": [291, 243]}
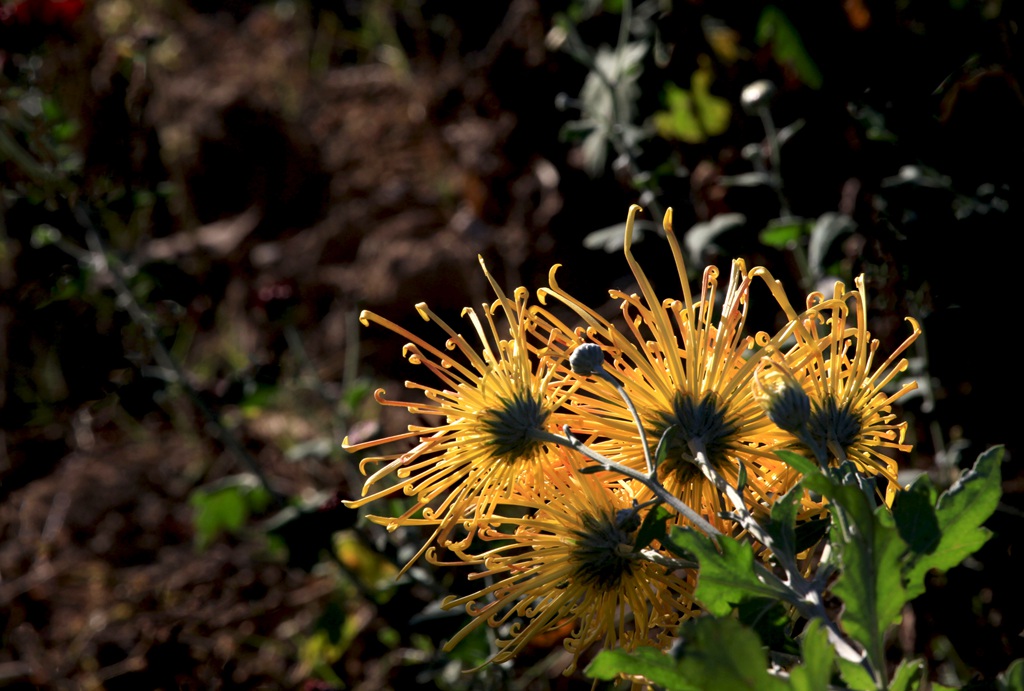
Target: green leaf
{"type": "Point", "coordinates": [44, 235]}
{"type": "Point", "coordinates": [653, 527]}
{"type": "Point", "coordinates": [693, 115]}
{"type": "Point", "coordinates": [810, 532]}
{"type": "Point", "coordinates": [788, 49]}
{"type": "Point", "coordinates": [803, 465]}
{"type": "Point", "coordinates": [225, 505]}
{"type": "Point", "coordinates": [716, 654]}
{"type": "Point", "coordinates": [826, 230]}
{"type": "Point", "coordinates": [914, 511]}
{"type": "Point", "coordinates": [783, 233]}
{"type": "Point", "coordinates": [702, 234]}
{"type": "Point", "coordinates": [355, 393]}
{"type": "Point", "coordinates": [713, 111]}
{"type": "Point", "coordinates": [1012, 679]}
{"type": "Point", "coordinates": [855, 676]}
{"type": "Point", "coordinates": [650, 663]}
{"type": "Point", "coordinates": [907, 676]}
{"type": "Point", "coordinates": [870, 550]}
{"type": "Point", "coordinates": [960, 513]}
{"type": "Point", "coordinates": [680, 121]}
{"type": "Point", "coordinates": [818, 656]}
{"type": "Point", "coordinates": [664, 444]}
{"type": "Point", "coordinates": [769, 618]}
{"type": "Point", "coordinates": [224, 510]}
{"type": "Point", "coordinates": [724, 654]}
{"type": "Point", "coordinates": [782, 526]}
{"type": "Point", "coordinates": [727, 578]}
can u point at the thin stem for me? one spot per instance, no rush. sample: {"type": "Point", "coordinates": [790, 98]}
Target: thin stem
{"type": "Point", "coordinates": [657, 557]}
{"type": "Point", "coordinates": [648, 482]}
{"type": "Point", "coordinates": [652, 470]}
{"type": "Point", "coordinates": [772, 136]}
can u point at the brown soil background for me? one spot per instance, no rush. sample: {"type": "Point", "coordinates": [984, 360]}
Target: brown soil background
{"type": "Point", "coordinates": [314, 171]}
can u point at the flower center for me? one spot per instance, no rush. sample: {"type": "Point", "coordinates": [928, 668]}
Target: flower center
{"type": "Point", "coordinates": [602, 551]}
{"type": "Point", "coordinates": [511, 424]}
{"type": "Point", "coordinates": [829, 422]}
{"type": "Point", "coordinates": [702, 422]}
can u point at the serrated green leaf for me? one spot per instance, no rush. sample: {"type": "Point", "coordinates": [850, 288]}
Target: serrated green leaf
{"type": "Point", "coordinates": [650, 663]}
{"type": "Point", "coordinates": [818, 655]}
{"type": "Point", "coordinates": [1012, 679]}
{"type": "Point", "coordinates": [869, 583]}
{"type": "Point", "coordinates": [907, 676]}
{"type": "Point", "coordinates": [653, 527]}
{"type": "Point", "coordinates": [914, 511]}
{"type": "Point", "coordinates": [726, 578]}
{"type": "Point", "coordinates": [960, 513]}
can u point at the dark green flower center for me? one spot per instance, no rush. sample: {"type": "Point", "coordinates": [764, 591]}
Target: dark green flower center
{"type": "Point", "coordinates": [511, 425]}
{"type": "Point", "coordinates": [701, 421]}
{"type": "Point", "coordinates": [829, 422]}
{"type": "Point", "coordinates": [601, 553]}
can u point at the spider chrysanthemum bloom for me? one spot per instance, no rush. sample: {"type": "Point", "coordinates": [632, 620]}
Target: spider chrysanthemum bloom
{"type": "Point", "coordinates": [685, 370]}
{"type": "Point", "coordinates": [573, 560]}
{"type": "Point", "coordinates": [851, 407]}
{"type": "Point", "coordinates": [491, 403]}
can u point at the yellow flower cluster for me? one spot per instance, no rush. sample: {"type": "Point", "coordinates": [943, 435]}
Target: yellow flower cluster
{"type": "Point", "coordinates": [489, 470]}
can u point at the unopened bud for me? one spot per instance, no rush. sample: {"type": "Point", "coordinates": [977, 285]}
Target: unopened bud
{"type": "Point", "coordinates": [587, 359]}
{"type": "Point", "coordinates": [783, 399]}
{"type": "Point", "coordinates": [756, 95]}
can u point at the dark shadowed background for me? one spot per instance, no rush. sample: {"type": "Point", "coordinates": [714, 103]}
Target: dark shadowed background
{"type": "Point", "coordinates": [198, 198]}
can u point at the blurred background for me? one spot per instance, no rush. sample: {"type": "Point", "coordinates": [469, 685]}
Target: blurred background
{"type": "Point", "coordinates": [199, 197]}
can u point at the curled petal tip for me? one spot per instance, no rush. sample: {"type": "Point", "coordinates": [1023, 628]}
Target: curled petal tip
{"type": "Point", "coordinates": [630, 219]}
{"type": "Point", "coordinates": [667, 221]}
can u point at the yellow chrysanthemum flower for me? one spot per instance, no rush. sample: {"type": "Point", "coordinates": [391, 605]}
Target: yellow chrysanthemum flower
{"type": "Point", "coordinates": [684, 370]}
{"type": "Point", "coordinates": [573, 560]}
{"type": "Point", "coordinates": [490, 407]}
{"type": "Point", "coordinates": [849, 416]}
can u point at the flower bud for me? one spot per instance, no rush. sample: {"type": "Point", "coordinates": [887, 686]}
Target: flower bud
{"type": "Point", "coordinates": [756, 95]}
{"type": "Point", "coordinates": [586, 359]}
{"type": "Point", "coordinates": [783, 399]}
